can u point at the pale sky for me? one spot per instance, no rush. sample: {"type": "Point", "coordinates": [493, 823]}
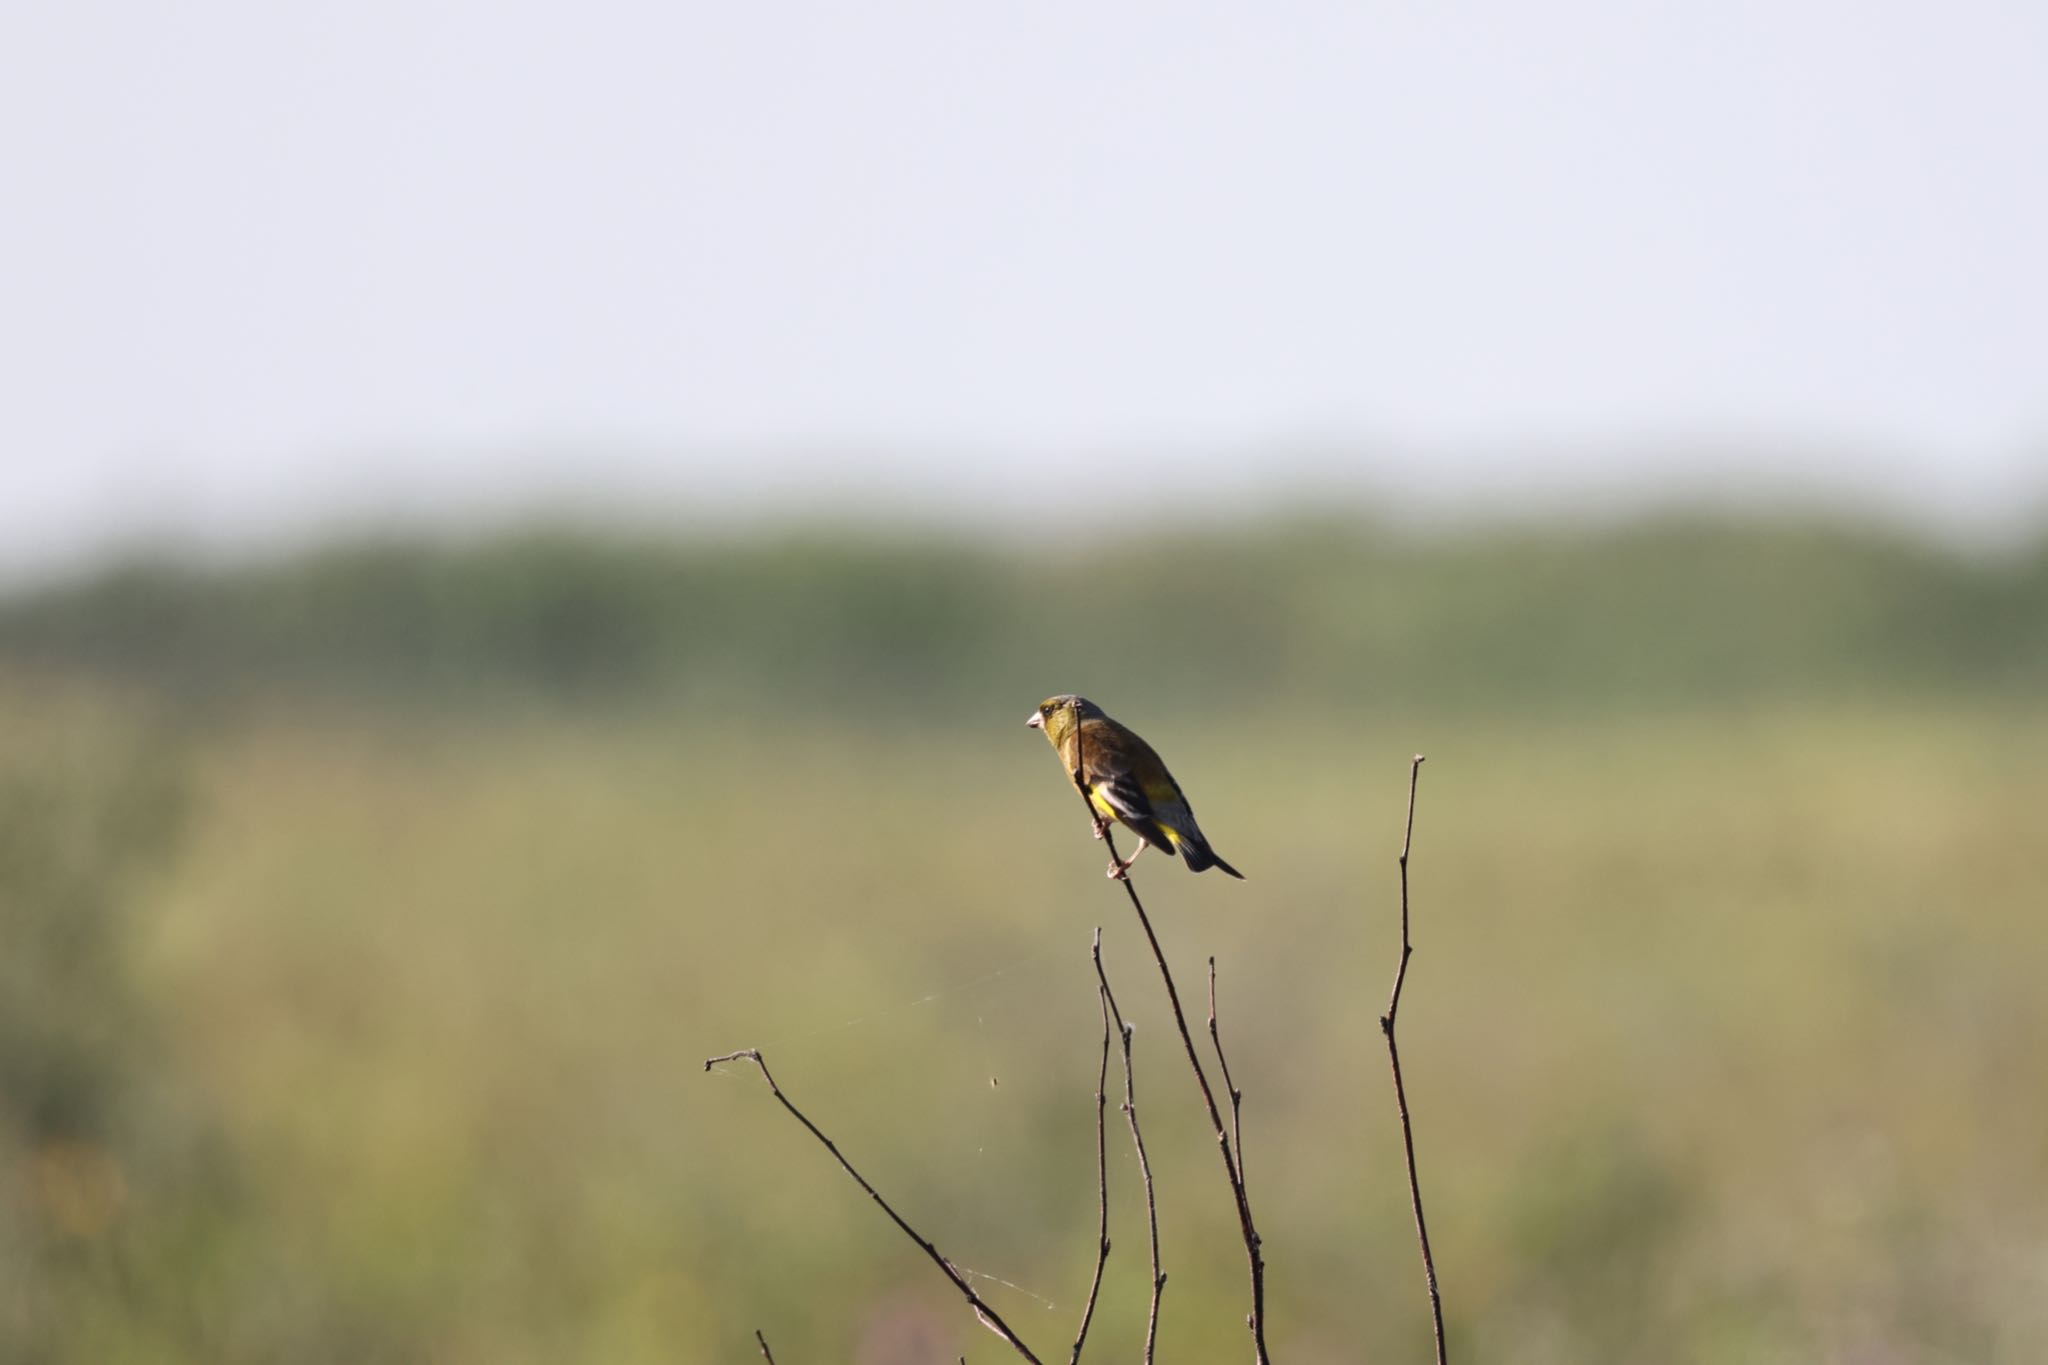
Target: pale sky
{"type": "Point", "coordinates": [265, 267]}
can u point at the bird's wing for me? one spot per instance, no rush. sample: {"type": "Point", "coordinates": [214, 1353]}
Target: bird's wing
{"type": "Point", "coordinates": [1150, 771]}
{"type": "Point", "coordinates": [1108, 766]}
{"type": "Point", "coordinates": [1169, 805]}
{"type": "Point", "coordinates": [1175, 815]}
{"type": "Point", "coordinates": [1125, 794]}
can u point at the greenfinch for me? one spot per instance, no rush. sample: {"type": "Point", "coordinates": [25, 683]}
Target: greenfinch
{"type": "Point", "coordinates": [1124, 779]}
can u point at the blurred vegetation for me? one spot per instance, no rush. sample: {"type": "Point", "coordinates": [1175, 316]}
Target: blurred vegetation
{"type": "Point", "coordinates": [369, 912]}
{"type": "Point", "coordinates": [109, 1173]}
{"type": "Point", "coordinates": [1328, 613]}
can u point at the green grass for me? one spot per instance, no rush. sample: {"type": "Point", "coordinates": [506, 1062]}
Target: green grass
{"type": "Point", "coordinates": [369, 913]}
{"type": "Point", "coordinates": [1722, 1034]}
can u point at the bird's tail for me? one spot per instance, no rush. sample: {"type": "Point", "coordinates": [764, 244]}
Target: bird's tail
{"type": "Point", "coordinates": [1200, 858]}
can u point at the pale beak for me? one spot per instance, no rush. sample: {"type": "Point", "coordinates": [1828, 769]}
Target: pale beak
{"type": "Point", "coordinates": [1037, 722]}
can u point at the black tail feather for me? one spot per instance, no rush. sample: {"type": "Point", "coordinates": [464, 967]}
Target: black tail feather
{"type": "Point", "coordinates": [1200, 858]}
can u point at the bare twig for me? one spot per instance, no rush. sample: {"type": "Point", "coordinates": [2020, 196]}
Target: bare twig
{"type": "Point", "coordinates": [1101, 1171]}
{"type": "Point", "coordinates": [766, 1354]}
{"type": "Point", "coordinates": [1236, 1095]}
{"type": "Point", "coordinates": [988, 1316]}
{"type": "Point", "coordinates": [1137, 1141]}
{"type": "Point", "coordinates": [1256, 1321]}
{"type": "Point", "coordinates": [1436, 1303]}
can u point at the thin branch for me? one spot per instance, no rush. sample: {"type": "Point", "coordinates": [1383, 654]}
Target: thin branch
{"type": "Point", "coordinates": [1246, 1228]}
{"type": "Point", "coordinates": [988, 1316]}
{"type": "Point", "coordinates": [1236, 1095]}
{"type": "Point", "coordinates": [766, 1354]}
{"type": "Point", "coordinates": [1436, 1303]}
{"type": "Point", "coordinates": [1101, 1171]}
{"type": "Point", "coordinates": [1138, 1141]}
{"type": "Point", "coordinates": [1407, 949]}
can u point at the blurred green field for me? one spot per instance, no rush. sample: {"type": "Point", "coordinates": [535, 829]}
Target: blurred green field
{"type": "Point", "coordinates": [356, 1023]}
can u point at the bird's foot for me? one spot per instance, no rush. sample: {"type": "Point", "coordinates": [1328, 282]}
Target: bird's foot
{"type": "Point", "coordinates": [1119, 870]}
{"type": "Point", "coordinates": [1101, 828]}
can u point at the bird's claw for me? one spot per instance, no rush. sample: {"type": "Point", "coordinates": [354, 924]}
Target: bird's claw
{"type": "Point", "coordinates": [1119, 870]}
{"type": "Point", "coordinates": [1101, 828]}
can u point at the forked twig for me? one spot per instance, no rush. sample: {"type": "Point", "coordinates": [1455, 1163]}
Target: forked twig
{"type": "Point", "coordinates": [1101, 1170]}
{"type": "Point", "coordinates": [1436, 1303]}
{"type": "Point", "coordinates": [1256, 1321]}
{"type": "Point", "coordinates": [1137, 1141]}
{"type": "Point", "coordinates": [1230, 1143]}
{"type": "Point", "coordinates": [988, 1316]}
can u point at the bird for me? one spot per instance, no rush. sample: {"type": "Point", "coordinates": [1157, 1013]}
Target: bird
{"type": "Point", "coordinates": [1123, 777]}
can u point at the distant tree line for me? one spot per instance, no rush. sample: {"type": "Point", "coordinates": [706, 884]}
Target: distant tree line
{"type": "Point", "coordinates": [1656, 612]}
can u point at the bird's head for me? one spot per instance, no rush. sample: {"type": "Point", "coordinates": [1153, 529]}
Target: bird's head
{"type": "Point", "coordinates": [1058, 716]}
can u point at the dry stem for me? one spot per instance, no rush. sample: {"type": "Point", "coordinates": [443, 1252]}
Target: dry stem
{"type": "Point", "coordinates": [1436, 1303]}
{"type": "Point", "coordinates": [1246, 1228]}
{"type": "Point", "coordinates": [988, 1316]}
{"type": "Point", "coordinates": [1101, 1169]}
{"type": "Point", "coordinates": [1236, 1095]}
{"type": "Point", "coordinates": [1137, 1141]}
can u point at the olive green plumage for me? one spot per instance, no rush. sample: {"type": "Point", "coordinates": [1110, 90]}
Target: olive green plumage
{"type": "Point", "coordinates": [1124, 779]}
